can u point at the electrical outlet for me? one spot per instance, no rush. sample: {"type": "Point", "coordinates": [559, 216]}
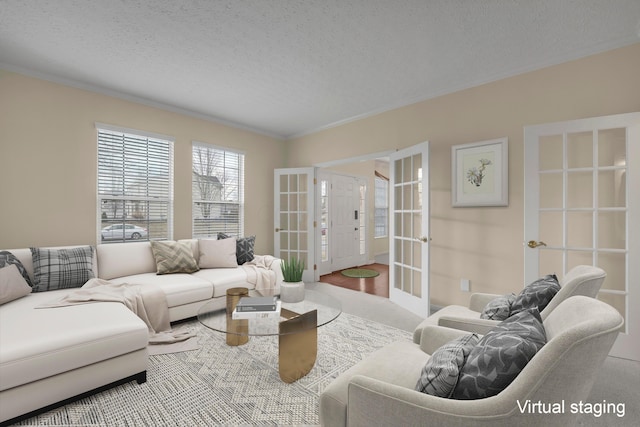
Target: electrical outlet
{"type": "Point", "coordinates": [465, 285]}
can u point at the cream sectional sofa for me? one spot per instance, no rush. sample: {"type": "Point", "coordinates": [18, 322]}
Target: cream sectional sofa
{"type": "Point", "coordinates": [51, 356]}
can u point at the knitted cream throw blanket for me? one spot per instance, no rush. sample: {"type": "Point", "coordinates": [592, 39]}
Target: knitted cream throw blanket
{"type": "Point", "coordinates": [147, 302]}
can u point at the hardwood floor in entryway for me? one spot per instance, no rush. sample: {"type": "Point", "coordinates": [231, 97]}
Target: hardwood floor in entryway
{"type": "Point", "coordinates": [378, 285]}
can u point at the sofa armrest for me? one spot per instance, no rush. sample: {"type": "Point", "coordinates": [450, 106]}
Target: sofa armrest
{"type": "Point", "coordinates": [433, 337]}
{"type": "Point", "coordinates": [478, 326]}
{"type": "Point", "coordinates": [275, 267]}
{"type": "Point", "coordinates": [374, 402]}
{"type": "Point", "coordinates": [480, 300]}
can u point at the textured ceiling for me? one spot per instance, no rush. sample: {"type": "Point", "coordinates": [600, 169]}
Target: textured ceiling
{"type": "Point", "coordinates": [287, 67]}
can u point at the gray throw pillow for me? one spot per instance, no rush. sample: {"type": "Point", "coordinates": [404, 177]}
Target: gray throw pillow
{"type": "Point", "coordinates": [500, 356]}
{"type": "Point", "coordinates": [7, 258]}
{"type": "Point", "coordinates": [244, 247]}
{"type": "Point", "coordinates": [173, 257]}
{"type": "Point", "coordinates": [498, 308]}
{"type": "Point", "coordinates": [440, 374]}
{"type": "Point", "coordinates": [61, 268]}
{"type": "Point", "coordinates": [536, 294]}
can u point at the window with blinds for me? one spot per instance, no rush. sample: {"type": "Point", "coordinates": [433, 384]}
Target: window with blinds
{"type": "Point", "coordinates": [381, 204]}
{"type": "Point", "coordinates": [135, 185]}
{"type": "Point", "coordinates": [217, 191]}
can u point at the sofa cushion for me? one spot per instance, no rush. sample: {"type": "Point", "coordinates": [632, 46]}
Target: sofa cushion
{"type": "Point", "coordinates": [536, 294]}
{"type": "Point", "coordinates": [41, 342]}
{"type": "Point", "coordinates": [440, 374]}
{"type": "Point", "coordinates": [179, 288]}
{"type": "Point", "coordinates": [500, 356]}
{"type": "Point", "coordinates": [125, 259]}
{"type": "Point", "coordinates": [61, 268]}
{"type": "Point", "coordinates": [244, 247]}
{"type": "Point", "coordinates": [224, 278]}
{"type": "Point", "coordinates": [498, 308]}
{"type": "Point", "coordinates": [12, 284]}
{"type": "Point", "coordinates": [173, 257]}
{"type": "Point", "coordinates": [217, 253]}
{"type": "Point", "coordinates": [8, 258]}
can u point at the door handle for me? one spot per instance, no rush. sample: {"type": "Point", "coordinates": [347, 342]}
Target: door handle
{"type": "Point", "coordinates": [533, 244]}
{"type": "Point", "coordinates": [423, 239]}
{"type": "Point", "coordinates": [279, 229]}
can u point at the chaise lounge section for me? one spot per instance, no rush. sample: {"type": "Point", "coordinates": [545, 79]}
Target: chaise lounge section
{"type": "Point", "coordinates": [54, 355]}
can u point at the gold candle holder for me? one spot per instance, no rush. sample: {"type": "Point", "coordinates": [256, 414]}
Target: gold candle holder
{"type": "Point", "coordinates": [237, 329]}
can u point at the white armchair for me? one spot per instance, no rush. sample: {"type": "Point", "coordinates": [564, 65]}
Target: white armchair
{"type": "Point", "coordinates": [379, 391]}
{"type": "Point", "coordinates": [581, 280]}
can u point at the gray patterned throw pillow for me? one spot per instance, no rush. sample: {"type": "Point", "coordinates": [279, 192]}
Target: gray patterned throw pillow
{"type": "Point", "coordinates": [500, 356]}
{"type": "Point", "coordinates": [7, 258]}
{"type": "Point", "coordinates": [440, 374]}
{"type": "Point", "coordinates": [173, 257]}
{"type": "Point", "coordinates": [61, 268]}
{"type": "Point", "coordinates": [244, 247]}
{"type": "Point", "coordinates": [498, 308]}
{"type": "Point", "coordinates": [536, 294]}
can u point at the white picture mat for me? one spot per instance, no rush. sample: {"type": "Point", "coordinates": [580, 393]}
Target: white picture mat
{"type": "Point", "coordinates": [479, 174]}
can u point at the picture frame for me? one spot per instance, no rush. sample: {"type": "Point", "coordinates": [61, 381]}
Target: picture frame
{"type": "Point", "coordinates": [480, 173]}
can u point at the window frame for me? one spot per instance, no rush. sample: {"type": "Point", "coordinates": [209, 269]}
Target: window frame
{"type": "Point", "coordinates": [377, 208]}
{"type": "Point", "coordinates": [164, 186]}
{"type": "Point", "coordinates": [196, 199]}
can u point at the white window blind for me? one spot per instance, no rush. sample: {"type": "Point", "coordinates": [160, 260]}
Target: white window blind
{"type": "Point", "coordinates": [218, 191]}
{"type": "Point", "coordinates": [135, 185]}
{"type": "Point", "coordinates": [381, 206]}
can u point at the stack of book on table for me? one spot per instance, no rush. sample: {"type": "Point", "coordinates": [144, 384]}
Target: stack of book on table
{"type": "Point", "coordinates": [257, 308]}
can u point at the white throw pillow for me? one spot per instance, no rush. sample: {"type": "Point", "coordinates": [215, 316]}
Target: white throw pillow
{"type": "Point", "coordinates": [217, 253]}
{"type": "Point", "coordinates": [12, 284]}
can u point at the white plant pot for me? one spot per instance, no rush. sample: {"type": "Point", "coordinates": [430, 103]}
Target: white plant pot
{"type": "Point", "coordinates": [292, 291]}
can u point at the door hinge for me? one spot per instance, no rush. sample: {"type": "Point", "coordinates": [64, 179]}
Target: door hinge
{"type": "Point", "coordinates": [315, 267]}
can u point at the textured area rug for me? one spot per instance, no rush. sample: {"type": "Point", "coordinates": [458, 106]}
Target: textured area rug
{"type": "Point", "coordinates": [221, 385]}
{"type": "Point", "coordinates": [188, 345]}
{"type": "Point", "coordinates": [360, 273]}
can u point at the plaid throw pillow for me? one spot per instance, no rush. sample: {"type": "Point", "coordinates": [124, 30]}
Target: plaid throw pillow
{"type": "Point", "coordinates": [244, 247]}
{"type": "Point", "coordinates": [61, 268]}
{"type": "Point", "coordinates": [174, 257]}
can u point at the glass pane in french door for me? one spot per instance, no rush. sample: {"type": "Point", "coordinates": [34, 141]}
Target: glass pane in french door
{"type": "Point", "coordinates": [407, 218]}
{"type": "Point", "coordinates": [294, 214]}
{"type": "Point", "coordinates": [582, 213]}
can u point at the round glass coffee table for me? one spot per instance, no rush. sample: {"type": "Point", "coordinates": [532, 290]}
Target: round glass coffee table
{"type": "Point", "coordinates": [296, 328]}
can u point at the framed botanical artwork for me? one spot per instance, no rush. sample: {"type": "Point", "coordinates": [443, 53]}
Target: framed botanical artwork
{"type": "Point", "coordinates": [479, 174]}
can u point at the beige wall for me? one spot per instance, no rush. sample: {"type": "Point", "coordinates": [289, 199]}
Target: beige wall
{"type": "Point", "coordinates": [484, 245]}
{"type": "Point", "coordinates": [48, 161]}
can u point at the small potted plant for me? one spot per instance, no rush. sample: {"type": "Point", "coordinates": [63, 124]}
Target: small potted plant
{"type": "Point", "coordinates": [292, 290]}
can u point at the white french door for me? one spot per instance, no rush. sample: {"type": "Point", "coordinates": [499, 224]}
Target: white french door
{"type": "Point", "coordinates": [582, 206]}
{"type": "Point", "coordinates": [323, 215]}
{"type": "Point", "coordinates": [344, 224]}
{"type": "Point", "coordinates": [294, 228]}
{"type": "Point", "coordinates": [409, 229]}
{"type": "Point", "coordinates": [347, 226]}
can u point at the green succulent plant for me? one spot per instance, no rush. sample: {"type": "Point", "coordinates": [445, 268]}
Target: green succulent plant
{"type": "Point", "coordinates": [292, 270]}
